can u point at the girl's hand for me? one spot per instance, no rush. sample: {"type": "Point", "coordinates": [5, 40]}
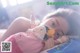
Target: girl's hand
{"type": "Point", "coordinates": [49, 43]}
{"type": "Point", "coordinates": [63, 39]}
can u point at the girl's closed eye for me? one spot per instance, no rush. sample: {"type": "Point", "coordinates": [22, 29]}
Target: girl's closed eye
{"type": "Point", "coordinates": [53, 25]}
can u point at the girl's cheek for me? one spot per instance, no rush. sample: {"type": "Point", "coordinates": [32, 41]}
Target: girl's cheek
{"type": "Point", "coordinates": [48, 24]}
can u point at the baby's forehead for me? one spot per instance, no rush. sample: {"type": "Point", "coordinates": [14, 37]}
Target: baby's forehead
{"type": "Point", "coordinates": [50, 21]}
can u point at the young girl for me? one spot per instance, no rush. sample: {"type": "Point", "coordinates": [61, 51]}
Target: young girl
{"type": "Point", "coordinates": [62, 21]}
{"type": "Point", "coordinates": [66, 22]}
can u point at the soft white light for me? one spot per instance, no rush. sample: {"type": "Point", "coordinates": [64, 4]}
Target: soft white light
{"type": "Point", "coordinates": [12, 2]}
{"type": "Point", "coordinates": [23, 1]}
{"type": "Point", "coordinates": [4, 3]}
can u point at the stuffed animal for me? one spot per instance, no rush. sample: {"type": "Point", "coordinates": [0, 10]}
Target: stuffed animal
{"type": "Point", "coordinates": [38, 31]}
{"type": "Point", "coordinates": [30, 41]}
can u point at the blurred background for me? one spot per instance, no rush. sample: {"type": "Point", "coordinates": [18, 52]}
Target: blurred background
{"type": "Point", "coordinates": [11, 9]}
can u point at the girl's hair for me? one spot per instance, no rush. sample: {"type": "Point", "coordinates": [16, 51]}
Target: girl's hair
{"type": "Point", "coordinates": [72, 17]}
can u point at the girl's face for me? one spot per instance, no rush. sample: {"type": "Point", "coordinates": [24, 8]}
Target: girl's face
{"type": "Point", "coordinates": [57, 23]}
{"type": "Point", "coordinates": [51, 23]}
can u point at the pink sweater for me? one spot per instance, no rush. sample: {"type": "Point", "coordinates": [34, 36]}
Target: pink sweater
{"type": "Point", "coordinates": [25, 43]}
